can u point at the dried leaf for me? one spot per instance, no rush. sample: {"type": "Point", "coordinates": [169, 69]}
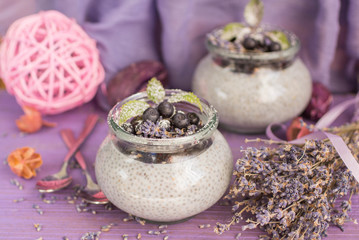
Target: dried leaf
{"type": "Point", "coordinates": [297, 129]}
{"type": "Point", "coordinates": [253, 13]}
{"type": "Point", "coordinates": [24, 162]}
{"type": "Point", "coordinates": [319, 103]}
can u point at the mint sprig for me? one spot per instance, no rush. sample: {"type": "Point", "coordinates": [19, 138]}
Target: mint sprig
{"type": "Point", "coordinates": [186, 97]}
{"type": "Point", "coordinates": [253, 13]}
{"type": "Point", "coordinates": [155, 90]}
{"type": "Point", "coordinates": [131, 109]}
{"type": "Point", "coordinates": [156, 93]}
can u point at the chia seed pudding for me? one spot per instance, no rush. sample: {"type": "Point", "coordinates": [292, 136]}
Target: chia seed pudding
{"type": "Point", "coordinates": [165, 180]}
{"type": "Point", "coordinates": [253, 88]}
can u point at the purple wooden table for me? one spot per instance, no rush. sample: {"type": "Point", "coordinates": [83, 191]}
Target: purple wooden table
{"type": "Point", "coordinates": [61, 218]}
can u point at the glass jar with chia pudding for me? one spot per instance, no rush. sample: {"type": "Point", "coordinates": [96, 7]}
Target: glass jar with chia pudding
{"type": "Point", "coordinates": [164, 179]}
{"type": "Point", "coordinates": [253, 77]}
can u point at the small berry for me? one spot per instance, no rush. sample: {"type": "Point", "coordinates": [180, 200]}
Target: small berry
{"type": "Point", "coordinates": [249, 43]}
{"type": "Point", "coordinates": [166, 109]}
{"type": "Point", "coordinates": [150, 114]}
{"type": "Point", "coordinates": [193, 118]}
{"type": "Point", "coordinates": [267, 42]}
{"type": "Point", "coordinates": [275, 47]}
{"type": "Point", "coordinates": [180, 120]}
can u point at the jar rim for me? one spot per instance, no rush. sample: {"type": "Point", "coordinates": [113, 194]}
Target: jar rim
{"type": "Point", "coordinates": [288, 53]}
{"type": "Point", "coordinates": [168, 143]}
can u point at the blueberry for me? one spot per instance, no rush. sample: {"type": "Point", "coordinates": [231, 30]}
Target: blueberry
{"type": "Point", "coordinates": [267, 42]}
{"type": "Point", "coordinates": [180, 120]}
{"type": "Point", "coordinates": [275, 47]}
{"type": "Point", "coordinates": [249, 43]}
{"type": "Point", "coordinates": [193, 118]}
{"type": "Point", "coordinates": [166, 109]}
{"type": "Point", "coordinates": [150, 114]}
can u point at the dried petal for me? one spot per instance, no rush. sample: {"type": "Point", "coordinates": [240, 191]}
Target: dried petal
{"type": "Point", "coordinates": [32, 121]}
{"type": "Point", "coordinates": [297, 129]}
{"type": "Point", "coordinates": [24, 161]}
{"type": "Point", "coordinates": [134, 78]}
{"type": "Point", "coordinates": [319, 102]}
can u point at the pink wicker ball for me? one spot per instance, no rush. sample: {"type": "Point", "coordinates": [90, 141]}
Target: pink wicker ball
{"type": "Point", "coordinates": [48, 62]}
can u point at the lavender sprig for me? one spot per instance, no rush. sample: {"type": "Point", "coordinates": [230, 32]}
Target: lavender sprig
{"type": "Point", "coordinates": [150, 130]}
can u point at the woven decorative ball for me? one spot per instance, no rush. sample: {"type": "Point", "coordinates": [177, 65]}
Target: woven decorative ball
{"type": "Point", "coordinates": [48, 62]}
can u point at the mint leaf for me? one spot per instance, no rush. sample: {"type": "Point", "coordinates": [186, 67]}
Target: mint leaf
{"type": "Point", "coordinates": [280, 37]}
{"type": "Point", "coordinates": [231, 30]}
{"type": "Point", "coordinates": [155, 90]}
{"type": "Point", "coordinates": [186, 97]}
{"type": "Point", "coordinates": [253, 13]}
{"type": "Point", "coordinates": [131, 109]}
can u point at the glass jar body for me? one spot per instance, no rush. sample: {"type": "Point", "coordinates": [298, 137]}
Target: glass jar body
{"type": "Point", "coordinates": [249, 102]}
{"type": "Point", "coordinates": [165, 192]}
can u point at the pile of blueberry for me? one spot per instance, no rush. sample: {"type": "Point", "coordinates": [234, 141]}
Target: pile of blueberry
{"type": "Point", "coordinates": [265, 45]}
{"type": "Point", "coordinates": [163, 122]}
{"type": "Point", "coordinates": [263, 41]}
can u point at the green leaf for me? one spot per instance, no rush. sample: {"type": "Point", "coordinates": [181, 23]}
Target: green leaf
{"type": "Point", "coordinates": [131, 109]}
{"type": "Point", "coordinates": [155, 90]}
{"type": "Point", "coordinates": [280, 37]}
{"type": "Point", "coordinates": [186, 97]}
{"type": "Point", "coordinates": [253, 13]}
{"type": "Point", "coordinates": [231, 30]}
{"type": "Point", "coordinates": [233, 26]}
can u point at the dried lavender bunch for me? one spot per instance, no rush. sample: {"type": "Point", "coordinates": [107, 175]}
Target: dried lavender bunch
{"type": "Point", "coordinates": [290, 191]}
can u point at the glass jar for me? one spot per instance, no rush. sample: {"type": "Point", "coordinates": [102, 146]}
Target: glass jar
{"type": "Point", "coordinates": [164, 180]}
{"type": "Point", "coordinates": [250, 90]}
